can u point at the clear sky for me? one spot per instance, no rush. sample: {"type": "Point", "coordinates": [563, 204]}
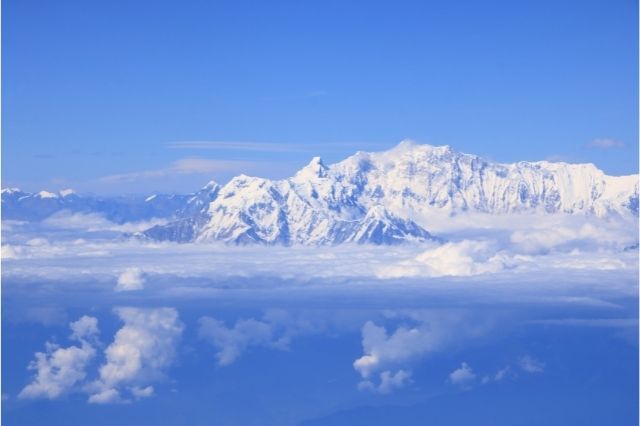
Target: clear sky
{"type": "Point", "coordinates": [141, 96]}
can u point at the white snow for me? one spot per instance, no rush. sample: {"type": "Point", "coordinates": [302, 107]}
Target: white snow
{"type": "Point", "coordinates": [46, 194]}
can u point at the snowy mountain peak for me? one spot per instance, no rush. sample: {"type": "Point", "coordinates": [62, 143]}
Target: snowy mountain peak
{"type": "Point", "coordinates": [46, 194]}
{"type": "Point", "coordinates": [212, 184]}
{"type": "Point", "coordinates": [315, 169]}
{"type": "Point", "coordinates": [67, 192]}
{"type": "Point", "coordinates": [381, 227]}
{"type": "Point", "coordinates": [11, 191]}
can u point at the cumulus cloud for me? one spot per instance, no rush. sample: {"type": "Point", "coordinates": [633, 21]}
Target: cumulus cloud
{"type": "Point", "coordinates": [462, 376]}
{"type": "Point", "coordinates": [431, 331]}
{"type": "Point", "coordinates": [388, 382]}
{"type": "Point", "coordinates": [130, 280]}
{"type": "Point", "coordinates": [85, 329]}
{"type": "Point", "coordinates": [140, 352]}
{"type": "Point", "coordinates": [59, 370]}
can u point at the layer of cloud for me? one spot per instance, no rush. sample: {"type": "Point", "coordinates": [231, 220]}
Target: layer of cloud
{"type": "Point", "coordinates": [139, 354]}
{"type": "Point", "coordinates": [464, 258]}
{"type": "Point", "coordinates": [606, 143]}
{"type": "Point", "coordinates": [238, 146]}
{"type": "Point", "coordinates": [95, 222]}
{"type": "Point", "coordinates": [586, 236]}
{"type": "Point", "coordinates": [184, 166]}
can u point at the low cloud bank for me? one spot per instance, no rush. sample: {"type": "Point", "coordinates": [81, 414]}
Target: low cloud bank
{"type": "Point", "coordinates": [95, 222]}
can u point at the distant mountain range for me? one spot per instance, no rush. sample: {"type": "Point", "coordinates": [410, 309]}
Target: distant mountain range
{"type": "Point", "coordinates": [377, 198]}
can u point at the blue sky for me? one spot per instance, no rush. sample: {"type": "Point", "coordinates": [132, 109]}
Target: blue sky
{"type": "Point", "coordinates": [111, 96]}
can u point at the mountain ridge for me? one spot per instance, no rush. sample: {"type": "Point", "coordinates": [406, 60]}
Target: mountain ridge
{"type": "Point", "coordinates": [381, 198]}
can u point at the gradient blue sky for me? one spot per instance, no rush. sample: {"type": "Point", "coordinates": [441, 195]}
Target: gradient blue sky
{"type": "Point", "coordinates": [100, 96]}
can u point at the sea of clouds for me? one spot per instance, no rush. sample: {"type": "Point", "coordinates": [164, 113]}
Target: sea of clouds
{"type": "Point", "coordinates": [413, 301]}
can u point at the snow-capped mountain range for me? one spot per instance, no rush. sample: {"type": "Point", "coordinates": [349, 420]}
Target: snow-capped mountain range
{"type": "Point", "coordinates": [380, 198]}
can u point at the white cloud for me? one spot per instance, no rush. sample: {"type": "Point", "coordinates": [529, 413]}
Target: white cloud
{"type": "Point", "coordinates": [463, 376]}
{"type": "Point", "coordinates": [59, 370]}
{"type": "Point", "coordinates": [38, 242]}
{"type": "Point", "coordinates": [232, 341]}
{"type": "Point", "coordinates": [606, 143]}
{"type": "Point", "coordinates": [530, 365]}
{"type": "Point", "coordinates": [538, 243]}
{"type": "Point", "coordinates": [434, 331]}
{"type": "Point", "coordinates": [524, 364]}
{"type": "Point", "coordinates": [142, 349]}
{"type": "Point", "coordinates": [388, 382]}
{"type": "Point", "coordinates": [275, 330]}
{"type": "Point", "coordinates": [184, 166]}
{"type": "Point", "coordinates": [94, 222]}
{"type": "Point", "coordinates": [237, 146]}
{"type": "Point", "coordinates": [139, 392]}
{"type": "Point", "coordinates": [502, 374]}
{"type": "Point", "coordinates": [130, 280]}
{"type": "Point", "coordinates": [591, 322]}
{"type": "Point", "coordinates": [464, 258]}
{"type": "Point", "coordinates": [11, 252]}
{"type": "Point", "coordinates": [85, 329]}
{"type": "Point", "coordinates": [106, 396]}
{"type": "Point", "coordinates": [579, 236]}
